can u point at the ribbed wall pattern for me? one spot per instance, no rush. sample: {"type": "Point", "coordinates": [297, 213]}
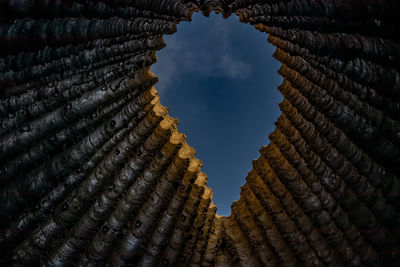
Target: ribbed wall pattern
{"type": "Point", "coordinates": [94, 172]}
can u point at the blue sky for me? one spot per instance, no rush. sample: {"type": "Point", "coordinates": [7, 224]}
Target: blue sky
{"type": "Point", "coordinates": [218, 77]}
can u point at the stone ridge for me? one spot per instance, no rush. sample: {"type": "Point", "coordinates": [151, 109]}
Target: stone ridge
{"type": "Point", "coordinates": [94, 171]}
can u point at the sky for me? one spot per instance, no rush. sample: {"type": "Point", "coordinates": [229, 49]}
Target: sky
{"type": "Point", "coordinates": [218, 77]}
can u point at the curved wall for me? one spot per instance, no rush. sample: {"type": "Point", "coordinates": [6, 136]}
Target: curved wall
{"type": "Point", "coordinates": [94, 171]}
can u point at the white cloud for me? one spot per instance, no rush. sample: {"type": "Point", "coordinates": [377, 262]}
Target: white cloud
{"type": "Point", "coordinates": [191, 54]}
{"type": "Point", "coordinates": [166, 66]}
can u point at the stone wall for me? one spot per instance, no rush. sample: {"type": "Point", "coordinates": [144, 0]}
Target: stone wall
{"type": "Point", "coordinates": [94, 172]}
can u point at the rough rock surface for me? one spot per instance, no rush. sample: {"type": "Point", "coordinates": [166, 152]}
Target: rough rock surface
{"type": "Point", "coordinates": [94, 172]}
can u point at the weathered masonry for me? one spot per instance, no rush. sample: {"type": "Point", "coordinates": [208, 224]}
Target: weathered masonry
{"type": "Point", "coordinates": [94, 172]}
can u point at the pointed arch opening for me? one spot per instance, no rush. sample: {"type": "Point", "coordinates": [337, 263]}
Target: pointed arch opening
{"type": "Point", "coordinates": [218, 77]}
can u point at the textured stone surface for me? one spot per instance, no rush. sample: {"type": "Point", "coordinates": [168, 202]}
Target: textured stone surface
{"type": "Point", "coordinates": [94, 172]}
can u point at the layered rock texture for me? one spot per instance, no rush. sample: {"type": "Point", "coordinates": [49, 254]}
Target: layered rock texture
{"type": "Point", "coordinates": [94, 172]}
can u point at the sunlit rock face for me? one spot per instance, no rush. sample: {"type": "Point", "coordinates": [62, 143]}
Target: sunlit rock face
{"type": "Point", "coordinates": [94, 172]}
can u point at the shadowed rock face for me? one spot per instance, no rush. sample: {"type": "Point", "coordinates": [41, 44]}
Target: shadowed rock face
{"type": "Point", "coordinates": [94, 172]}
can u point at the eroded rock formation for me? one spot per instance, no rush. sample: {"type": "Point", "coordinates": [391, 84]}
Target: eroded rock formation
{"type": "Point", "coordinates": [94, 172]}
